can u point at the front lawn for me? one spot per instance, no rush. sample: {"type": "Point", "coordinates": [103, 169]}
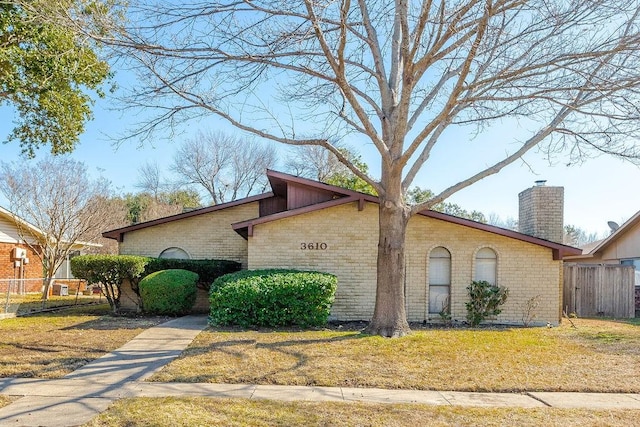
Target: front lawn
{"type": "Point", "coordinates": [5, 400]}
{"type": "Point", "coordinates": [242, 412]}
{"type": "Point", "coordinates": [597, 356]}
{"type": "Point", "coordinates": [31, 303]}
{"type": "Point", "coordinates": [51, 345]}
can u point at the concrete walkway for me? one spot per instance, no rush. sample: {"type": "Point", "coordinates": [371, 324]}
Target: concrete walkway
{"type": "Point", "coordinates": [83, 394]}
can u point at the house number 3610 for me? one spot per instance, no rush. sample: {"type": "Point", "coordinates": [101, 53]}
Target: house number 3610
{"type": "Point", "coordinates": [315, 246]}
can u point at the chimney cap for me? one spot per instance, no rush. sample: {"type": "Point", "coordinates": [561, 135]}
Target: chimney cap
{"type": "Point", "coordinates": [541, 182]}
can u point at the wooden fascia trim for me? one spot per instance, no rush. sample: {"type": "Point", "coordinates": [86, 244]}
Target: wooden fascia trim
{"type": "Point", "coordinates": [115, 234]}
{"type": "Point", "coordinates": [249, 224]}
{"type": "Point", "coordinates": [559, 250]}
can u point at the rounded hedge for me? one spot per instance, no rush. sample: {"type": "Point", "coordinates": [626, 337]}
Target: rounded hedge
{"type": "Point", "coordinates": [272, 298]}
{"type": "Point", "coordinates": [169, 291]}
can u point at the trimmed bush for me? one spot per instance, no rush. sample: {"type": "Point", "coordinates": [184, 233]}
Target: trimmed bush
{"type": "Point", "coordinates": [170, 292]}
{"type": "Point", "coordinates": [207, 270]}
{"type": "Point", "coordinates": [272, 298]}
{"type": "Point", "coordinates": [110, 271]}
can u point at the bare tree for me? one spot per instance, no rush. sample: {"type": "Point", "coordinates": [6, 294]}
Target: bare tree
{"type": "Point", "coordinates": [150, 179]}
{"type": "Point", "coordinates": [226, 167]}
{"type": "Point", "coordinates": [313, 161]}
{"type": "Point", "coordinates": [510, 223]}
{"type": "Point", "coordinates": [57, 197]}
{"type": "Point", "coordinates": [576, 236]}
{"type": "Point", "coordinates": [399, 74]}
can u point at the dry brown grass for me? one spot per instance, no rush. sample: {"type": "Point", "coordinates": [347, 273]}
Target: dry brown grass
{"type": "Point", "coordinates": [30, 303]}
{"type": "Point", "coordinates": [54, 344]}
{"type": "Point", "coordinates": [5, 400]}
{"type": "Point", "coordinates": [242, 412]}
{"type": "Point", "coordinates": [597, 356]}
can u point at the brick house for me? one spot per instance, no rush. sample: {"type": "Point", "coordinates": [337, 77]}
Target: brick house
{"type": "Point", "coordinates": [17, 259]}
{"type": "Point", "coordinates": [305, 224]}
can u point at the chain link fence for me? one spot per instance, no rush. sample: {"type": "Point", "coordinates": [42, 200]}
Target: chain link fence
{"type": "Point", "coordinates": [24, 296]}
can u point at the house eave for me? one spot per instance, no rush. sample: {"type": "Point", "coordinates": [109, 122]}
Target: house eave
{"type": "Point", "coordinates": [559, 250]}
{"type": "Point", "coordinates": [118, 234]}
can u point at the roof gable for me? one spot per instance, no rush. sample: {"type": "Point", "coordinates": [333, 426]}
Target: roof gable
{"type": "Point", "coordinates": [615, 236]}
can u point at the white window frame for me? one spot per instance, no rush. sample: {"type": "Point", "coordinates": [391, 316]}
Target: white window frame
{"type": "Point", "coordinates": [486, 265]}
{"type": "Point", "coordinates": [439, 280]}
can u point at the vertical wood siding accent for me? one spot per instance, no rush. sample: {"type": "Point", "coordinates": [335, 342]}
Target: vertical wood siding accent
{"type": "Point", "coordinates": [272, 205]}
{"type": "Point", "coordinates": [299, 196]}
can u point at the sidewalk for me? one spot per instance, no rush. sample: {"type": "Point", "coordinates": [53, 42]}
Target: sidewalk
{"type": "Point", "coordinates": [83, 394]}
{"type": "Point", "coordinates": [86, 392]}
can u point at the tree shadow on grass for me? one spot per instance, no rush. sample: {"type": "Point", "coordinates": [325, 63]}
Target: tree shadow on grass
{"type": "Point", "coordinates": [45, 368]}
{"type": "Point", "coordinates": [239, 349]}
{"type": "Point", "coordinates": [109, 322]}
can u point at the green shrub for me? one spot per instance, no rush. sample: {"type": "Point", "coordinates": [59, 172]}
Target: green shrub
{"type": "Point", "coordinates": [110, 271]}
{"type": "Point", "coordinates": [207, 270]}
{"type": "Point", "coordinates": [484, 300]}
{"type": "Point", "coordinates": [170, 292]}
{"type": "Point", "coordinates": [272, 298]}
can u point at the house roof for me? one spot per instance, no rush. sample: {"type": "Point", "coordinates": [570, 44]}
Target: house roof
{"type": "Point", "coordinates": [280, 183]}
{"type": "Point", "coordinates": [590, 250]}
{"type": "Point", "coordinates": [245, 228]}
{"type": "Point", "coordinates": [17, 220]}
{"type": "Point", "coordinates": [119, 232]}
{"type": "Point", "coordinates": [35, 231]}
{"type": "Point", "coordinates": [559, 250]}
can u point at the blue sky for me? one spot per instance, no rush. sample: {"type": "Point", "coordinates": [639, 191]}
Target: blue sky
{"type": "Point", "coordinates": [600, 190]}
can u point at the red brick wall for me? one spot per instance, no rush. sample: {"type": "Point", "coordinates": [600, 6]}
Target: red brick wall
{"type": "Point", "coordinates": [33, 270]}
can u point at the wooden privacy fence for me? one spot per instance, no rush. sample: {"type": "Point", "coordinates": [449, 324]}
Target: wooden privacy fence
{"type": "Point", "coordinates": [592, 290]}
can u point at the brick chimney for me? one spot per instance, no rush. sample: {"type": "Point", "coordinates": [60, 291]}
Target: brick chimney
{"type": "Point", "coordinates": [542, 212]}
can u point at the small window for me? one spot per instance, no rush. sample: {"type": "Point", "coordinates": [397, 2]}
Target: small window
{"type": "Point", "coordinates": [486, 263]}
{"type": "Point", "coordinates": [174, 253]}
{"type": "Point", "coordinates": [439, 280]}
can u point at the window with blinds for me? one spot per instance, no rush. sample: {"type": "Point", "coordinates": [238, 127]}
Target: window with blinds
{"type": "Point", "coordinates": [486, 265]}
{"type": "Point", "coordinates": [439, 279]}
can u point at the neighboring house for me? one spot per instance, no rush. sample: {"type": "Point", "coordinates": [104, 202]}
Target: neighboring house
{"type": "Point", "coordinates": [19, 260]}
{"type": "Point", "coordinates": [621, 247]}
{"type": "Point", "coordinates": [305, 224]}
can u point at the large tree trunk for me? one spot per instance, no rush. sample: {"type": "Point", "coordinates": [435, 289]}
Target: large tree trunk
{"type": "Point", "coordinates": [389, 317]}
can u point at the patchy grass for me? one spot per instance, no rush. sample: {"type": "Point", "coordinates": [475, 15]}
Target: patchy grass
{"type": "Point", "coordinates": [597, 356]}
{"type": "Point", "coordinates": [242, 412]}
{"type": "Point", "coordinates": [5, 400]}
{"type": "Point", "coordinates": [51, 345]}
{"type": "Point", "coordinates": [30, 303]}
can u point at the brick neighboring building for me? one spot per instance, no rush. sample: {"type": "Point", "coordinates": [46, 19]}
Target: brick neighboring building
{"type": "Point", "coordinates": [305, 224]}
{"type": "Point", "coordinates": [10, 266]}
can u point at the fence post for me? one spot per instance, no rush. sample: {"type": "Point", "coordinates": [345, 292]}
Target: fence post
{"type": "Point", "coordinates": [6, 306]}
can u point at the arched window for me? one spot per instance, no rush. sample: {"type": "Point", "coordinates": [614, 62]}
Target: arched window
{"type": "Point", "coordinates": [174, 253]}
{"type": "Point", "coordinates": [486, 265]}
{"type": "Point", "coordinates": [439, 280]}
